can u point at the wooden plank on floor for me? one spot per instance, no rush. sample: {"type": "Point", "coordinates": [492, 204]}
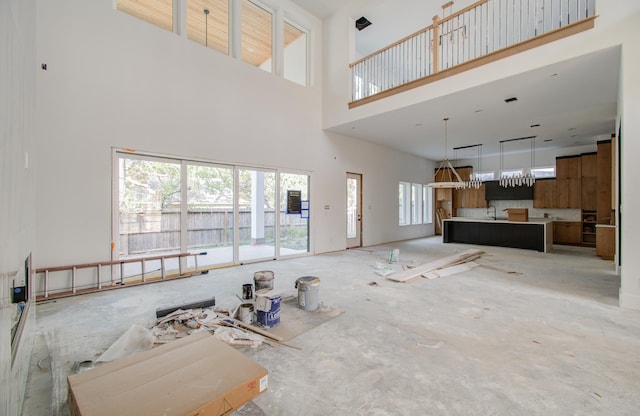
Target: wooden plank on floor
{"type": "Point", "coordinates": [415, 273]}
{"type": "Point", "coordinates": [448, 271]}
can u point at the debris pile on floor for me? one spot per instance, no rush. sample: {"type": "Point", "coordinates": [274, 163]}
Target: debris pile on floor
{"type": "Point", "coordinates": [181, 323]}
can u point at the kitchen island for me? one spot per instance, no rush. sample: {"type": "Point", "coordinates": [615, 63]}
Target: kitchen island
{"type": "Point", "coordinates": [535, 234]}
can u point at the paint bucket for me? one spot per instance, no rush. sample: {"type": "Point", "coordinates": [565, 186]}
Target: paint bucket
{"type": "Point", "coordinates": [263, 280]}
{"type": "Point", "coordinates": [246, 313]}
{"type": "Point", "coordinates": [268, 308]}
{"type": "Point", "coordinates": [247, 291]}
{"type": "Point", "coordinates": [308, 292]}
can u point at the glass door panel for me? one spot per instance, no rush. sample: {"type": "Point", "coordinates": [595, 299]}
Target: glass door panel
{"type": "Point", "coordinates": [256, 214]}
{"type": "Point", "coordinates": [149, 207]}
{"type": "Point", "coordinates": [354, 210]}
{"type": "Point", "coordinates": [294, 228]}
{"type": "Point", "coordinates": [210, 213]}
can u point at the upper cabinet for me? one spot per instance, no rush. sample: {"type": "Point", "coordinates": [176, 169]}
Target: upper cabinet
{"type": "Point", "coordinates": [569, 182]}
{"type": "Point", "coordinates": [589, 181]}
{"type": "Point", "coordinates": [544, 193]}
{"type": "Point", "coordinates": [569, 167]}
{"type": "Point", "coordinates": [469, 197]}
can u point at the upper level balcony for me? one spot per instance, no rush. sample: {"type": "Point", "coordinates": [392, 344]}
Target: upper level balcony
{"type": "Point", "coordinates": [484, 32]}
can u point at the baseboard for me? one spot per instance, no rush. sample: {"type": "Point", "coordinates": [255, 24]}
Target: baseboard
{"type": "Point", "coordinates": [629, 300]}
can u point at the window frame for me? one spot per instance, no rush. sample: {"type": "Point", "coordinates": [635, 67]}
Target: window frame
{"type": "Point", "coordinates": [427, 204]}
{"type": "Point", "coordinates": [404, 203]}
{"type": "Point", "coordinates": [416, 203]}
{"type": "Point", "coordinates": [307, 57]}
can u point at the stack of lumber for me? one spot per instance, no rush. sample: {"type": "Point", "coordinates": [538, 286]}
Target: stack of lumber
{"type": "Point", "coordinates": [437, 268]}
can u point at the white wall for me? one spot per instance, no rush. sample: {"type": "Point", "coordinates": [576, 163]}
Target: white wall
{"type": "Point", "coordinates": [114, 81]}
{"type": "Point", "coordinates": [617, 24]}
{"type": "Point", "coordinates": [17, 187]}
{"type": "Point", "coordinates": [630, 149]}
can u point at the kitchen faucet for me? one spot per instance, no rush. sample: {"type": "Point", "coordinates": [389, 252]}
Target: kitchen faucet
{"type": "Point", "coordinates": [494, 210]}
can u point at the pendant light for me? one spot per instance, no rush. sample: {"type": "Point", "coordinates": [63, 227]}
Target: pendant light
{"type": "Point", "coordinates": [450, 178]}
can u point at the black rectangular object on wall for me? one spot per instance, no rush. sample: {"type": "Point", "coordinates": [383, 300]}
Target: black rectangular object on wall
{"type": "Point", "coordinates": [495, 192]}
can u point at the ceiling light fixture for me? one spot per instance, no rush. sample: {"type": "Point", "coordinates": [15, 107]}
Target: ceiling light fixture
{"type": "Point", "coordinates": [446, 175]}
{"type": "Point", "coordinates": [511, 99]}
{"type": "Point", "coordinates": [519, 179]}
{"type": "Point", "coordinates": [474, 179]}
{"type": "Point", "coordinates": [206, 27]}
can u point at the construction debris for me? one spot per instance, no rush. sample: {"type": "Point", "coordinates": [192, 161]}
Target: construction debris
{"type": "Point", "coordinates": [181, 323]}
{"type": "Point", "coordinates": [443, 263]}
{"type": "Point", "coordinates": [136, 339]}
{"type": "Point", "coordinates": [448, 271]}
{"type": "Point", "coordinates": [160, 312]}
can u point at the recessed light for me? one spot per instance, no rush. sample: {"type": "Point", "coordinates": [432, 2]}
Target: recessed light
{"type": "Point", "coordinates": [511, 99]}
{"type": "Point", "coordinates": [535, 125]}
{"type": "Point", "coordinates": [547, 140]}
{"type": "Point", "coordinates": [479, 110]}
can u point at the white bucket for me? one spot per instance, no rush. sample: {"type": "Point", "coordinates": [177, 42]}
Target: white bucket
{"type": "Point", "coordinates": [246, 313]}
{"type": "Point", "coordinates": [308, 292]}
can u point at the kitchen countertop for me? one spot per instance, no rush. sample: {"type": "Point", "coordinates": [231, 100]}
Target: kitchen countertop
{"type": "Point", "coordinates": [539, 221]}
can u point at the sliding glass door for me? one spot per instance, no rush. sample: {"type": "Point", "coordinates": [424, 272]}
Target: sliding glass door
{"type": "Point", "coordinates": [228, 214]}
{"type": "Point", "coordinates": [210, 218]}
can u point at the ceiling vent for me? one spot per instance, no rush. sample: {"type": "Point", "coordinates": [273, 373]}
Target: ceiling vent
{"type": "Point", "coordinates": [362, 23]}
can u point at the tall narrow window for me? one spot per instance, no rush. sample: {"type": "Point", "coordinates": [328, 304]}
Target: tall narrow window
{"type": "Point", "coordinates": [404, 203]}
{"type": "Point", "coordinates": [427, 204]}
{"type": "Point", "coordinates": [156, 12]}
{"type": "Point", "coordinates": [257, 35]}
{"type": "Point", "coordinates": [295, 54]}
{"type": "Point", "coordinates": [416, 203]}
{"type": "Point", "coordinates": [208, 23]}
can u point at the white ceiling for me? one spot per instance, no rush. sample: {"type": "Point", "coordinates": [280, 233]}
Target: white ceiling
{"type": "Point", "coordinates": [575, 103]}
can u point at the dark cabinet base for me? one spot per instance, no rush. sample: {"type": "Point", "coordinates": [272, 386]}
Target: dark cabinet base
{"type": "Point", "coordinates": [501, 234]}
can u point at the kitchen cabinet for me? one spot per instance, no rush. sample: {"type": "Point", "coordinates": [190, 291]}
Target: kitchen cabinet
{"type": "Point", "coordinates": [569, 182]}
{"type": "Point", "coordinates": [544, 193]}
{"type": "Point", "coordinates": [589, 199]}
{"type": "Point", "coordinates": [526, 235]}
{"type": "Point", "coordinates": [606, 241]}
{"type": "Point", "coordinates": [567, 232]}
{"type": "Point", "coordinates": [603, 160]}
{"type": "Point", "coordinates": [568, 193]}
{"type": "Point", "coordinates": [589, 228]}
{"type": "Point", "coordinates": [569, 167]}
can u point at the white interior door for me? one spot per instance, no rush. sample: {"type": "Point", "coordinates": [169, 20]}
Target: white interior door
{"type": "Point", "coordinates": [354, 210]}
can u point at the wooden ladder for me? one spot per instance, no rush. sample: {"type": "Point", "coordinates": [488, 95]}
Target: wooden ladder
{"type": "Point", "coordinates": [116, 281]}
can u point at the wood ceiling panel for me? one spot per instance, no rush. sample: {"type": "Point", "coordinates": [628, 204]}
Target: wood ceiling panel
{"type": "Point", "coordinates": [256, 24]}
{"type": "Point", "coordinates": [215, 25]}
{"type": "Point", "coordinates": [156, 12]}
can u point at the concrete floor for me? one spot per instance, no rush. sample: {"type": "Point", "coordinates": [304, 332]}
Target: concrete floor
{"type": "Point", "coordinates": [542, 337]}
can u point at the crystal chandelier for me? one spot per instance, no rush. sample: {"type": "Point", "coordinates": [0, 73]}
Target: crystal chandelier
{"type": "Point", "coordinates": [519, 179]}
{"type": "Point", "coordinates": [474, 179]}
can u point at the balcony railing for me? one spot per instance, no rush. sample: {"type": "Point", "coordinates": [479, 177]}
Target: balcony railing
{"type": "Point", "coordinates": [481, 30]}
